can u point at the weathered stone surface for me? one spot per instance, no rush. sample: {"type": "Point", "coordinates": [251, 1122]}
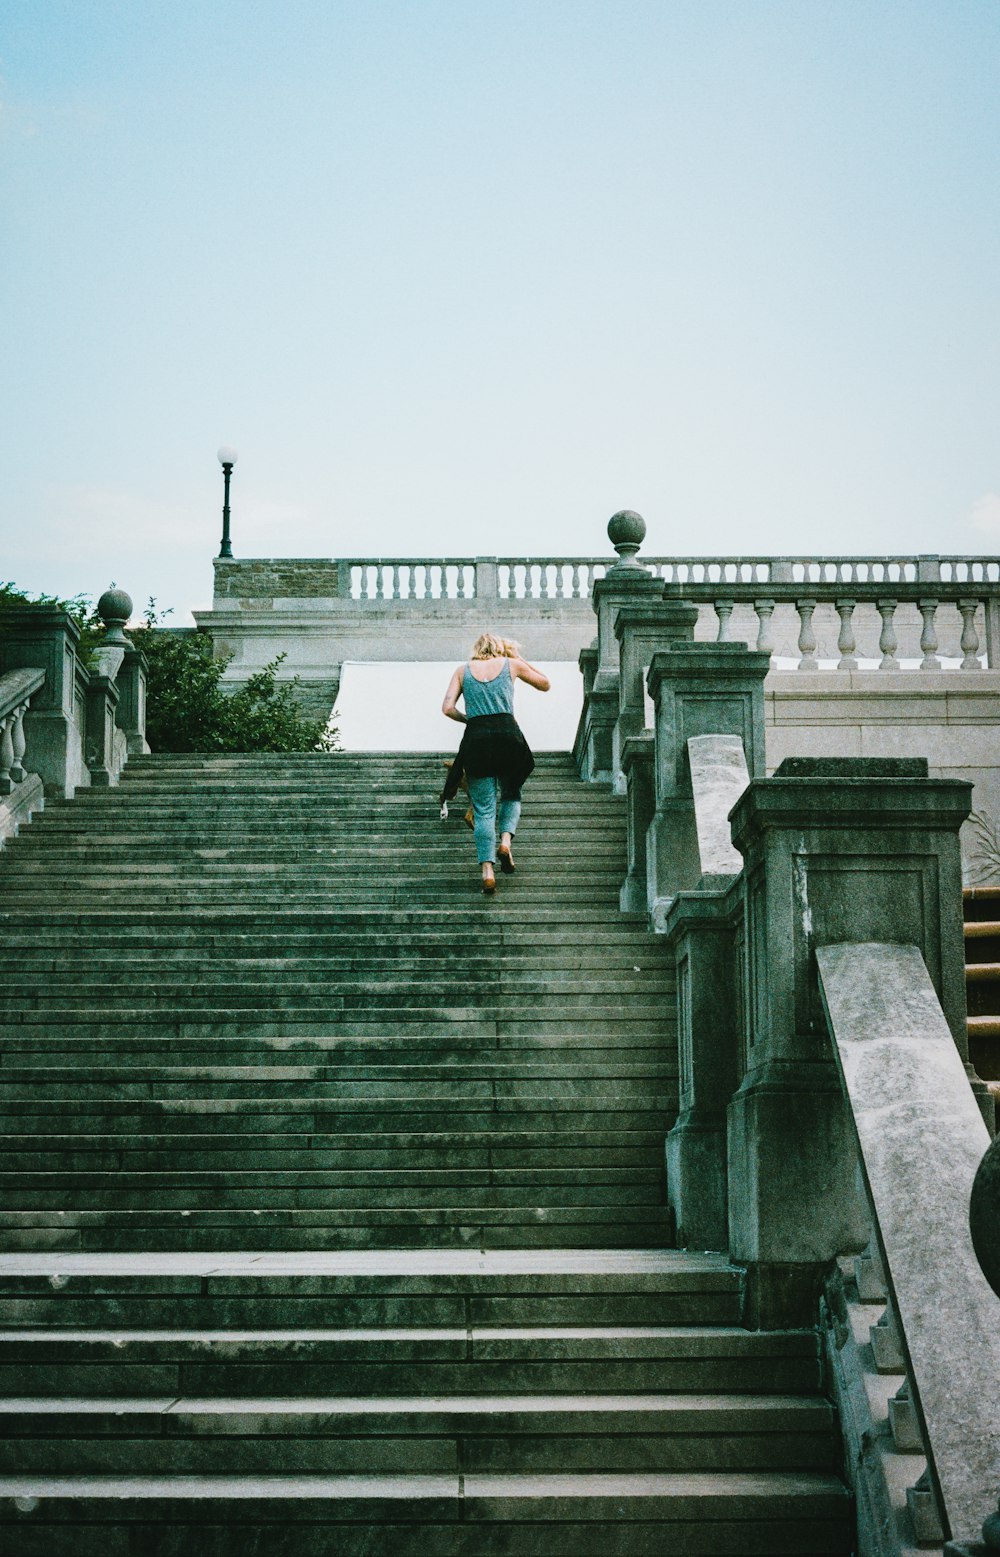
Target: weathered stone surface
{"type": "Point", "coordinates": [267, 577]}
{"type": "Point", "coordinates": [922, 1138]}
{"type": "Point", "coordinates": [718, 778]}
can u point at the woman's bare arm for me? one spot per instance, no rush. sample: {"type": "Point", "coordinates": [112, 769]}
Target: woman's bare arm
{"type": "Point", "coordinates": [534, 678]}
{"type": "Point", "coordinates": [449, 707]}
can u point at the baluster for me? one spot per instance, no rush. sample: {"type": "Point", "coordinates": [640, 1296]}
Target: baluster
{"type": "Point", "coordinates": [379, 581]}
{"type": "Point", "coordinates": [723, 610]}
{"type": "Point", "coordinates": [575, 581]}
{"type": "Point", "coordinates": [807, 637]}
{"type": "Point", "coordinates": [6, 753]}
{"type": "Point", "coordinates": [529, 581]}
{"type": "Point", "coordinates": [928, 635]}
{"type": "Point", "coordinates": [395, 570]}
{"type": "Point", "coordinates": [765, 611]}
{"type": "Point", "coordinates": [970, 637]}
{"type": "Point", "coordinates": [887, 637]}
{"type": "Point", "coordinates": [17, 770]}
{"type": "Point", "coordinates": [846, 641]}
{"type": "Point", "coordinates": [411, 581]}
{"type": "Point", "coordinates": [543, 581]}
{"type": "Point", "coordinates": [460, 581]}
{"type": "Point", "coordinates": [560, 591]}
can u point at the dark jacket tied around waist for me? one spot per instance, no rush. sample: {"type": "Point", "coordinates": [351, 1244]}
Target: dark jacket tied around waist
{"type": "Point", "coordinates": [492, 747]}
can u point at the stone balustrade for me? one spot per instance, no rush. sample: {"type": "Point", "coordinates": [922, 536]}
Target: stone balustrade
{"type": "Point", "coordinates": [81, 717]}
{"type": "Point", "coordinates": [16, 690]}
{"type": "Point", "coordinates": [21, 790]}
{"type": "Point", "coordinates": [821, 1029]}
{"type": "Point", "coordinates": [573, 578]}
{"type": "Point", "coordinates": [920, 624]}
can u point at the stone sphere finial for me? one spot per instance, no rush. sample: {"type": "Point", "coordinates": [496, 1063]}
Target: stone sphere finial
{"type": "Point", "coordinates": [627, 531]}
{"type": "Point", "coordinates": [114, 608]}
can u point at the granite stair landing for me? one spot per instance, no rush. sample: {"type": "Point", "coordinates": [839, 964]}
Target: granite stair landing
{"type": "Point", "coordinates": [333, 1192]}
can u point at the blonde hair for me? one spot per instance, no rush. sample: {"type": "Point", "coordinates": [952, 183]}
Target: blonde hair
{"type": "Point", "coordinates": [488, 647]}
{"type": "Point", "coordinates": [511, 649]}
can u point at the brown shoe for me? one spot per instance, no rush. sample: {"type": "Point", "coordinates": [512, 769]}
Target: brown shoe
{"type": "Point", "coordinates": [506, 862]}
{"type": "Point", "coordinates": [489, 885]}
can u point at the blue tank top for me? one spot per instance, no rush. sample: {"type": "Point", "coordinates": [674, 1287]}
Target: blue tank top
{"type": "Point", "coordinates": [488, 697]}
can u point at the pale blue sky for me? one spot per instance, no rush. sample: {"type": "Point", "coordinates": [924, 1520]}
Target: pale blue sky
{"type": "Point", "coordinates": [461, 277]}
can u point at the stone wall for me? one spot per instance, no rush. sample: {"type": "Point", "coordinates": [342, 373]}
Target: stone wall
{"type": "Point", "coordinates": [264, 578]}
{"type": "Point", "coordinates": [950, 717]}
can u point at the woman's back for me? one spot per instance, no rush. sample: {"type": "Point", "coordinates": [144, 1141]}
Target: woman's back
{"type": "Point", "coordinates": [495, 696]}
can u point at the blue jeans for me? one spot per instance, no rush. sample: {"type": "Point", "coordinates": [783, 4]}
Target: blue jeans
{"type": "Point", "coordinates": [487, 817]}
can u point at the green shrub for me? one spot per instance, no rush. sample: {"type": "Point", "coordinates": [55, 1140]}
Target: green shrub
{"type": "Point", "coordinates": [187, 710]}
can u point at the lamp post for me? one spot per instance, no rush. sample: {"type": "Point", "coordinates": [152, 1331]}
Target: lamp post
{"type": "Point", "coordinates": [227, 459]}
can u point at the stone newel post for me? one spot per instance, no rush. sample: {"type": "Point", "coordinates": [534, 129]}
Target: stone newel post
{"type": "Point", "coordinates": [697, 689]}
{"type": "Point", "coordinates": [642, 628]}
{"type": "Point", "coordinates": [835, 850]}
{"type": "Point", "coordinates": [627, 581]}
{"type": "Point", "coordinates": [47, 637]}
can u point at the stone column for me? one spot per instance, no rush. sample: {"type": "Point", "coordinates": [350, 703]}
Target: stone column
{"type": "Point", "coordinates": [835, 850]}
{"type": "Point", "coordinates": [642, 629]}
{"type": "Point", "coordinates": [697, 689]}
{"type": "Point", "coordinates": [487, 579]}
{"type": "Point", "coordinates": [131, 715]}
{"type": "Point", "coordinates": [102, 705]}
{"type": "Point", "coordinates": [702, 929]}
{"type": "Point", "coordinates": [627, 581]}
{"type": "Point", "coordinates": [637, 758]}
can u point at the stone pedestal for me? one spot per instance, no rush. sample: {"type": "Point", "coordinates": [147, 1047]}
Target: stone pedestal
{"type": "Point", "coordinates": [46, 637]}
{"type": "Point", "coordinates": [642, 629]}
{"type": "Point", "coordinates": [834, 851]}
{"type": "Point", "coordinates": [131, 715]}
{"type": "Point", "coordinates": [697, 689]}
{"type": "Point", "coordinates": [623, 584]}
{"type": "Point", "coordinates": [99, 749]}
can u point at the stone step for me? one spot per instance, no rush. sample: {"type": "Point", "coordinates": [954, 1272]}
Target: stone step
{"type": "Point", "coordinates": [132, 1364]}
{"type": "Point", "coordinates": [689, 1514]}
{"type": "Point", "coordinates": [441, 1025]}
{"type": "Point", "coordinates": [344, 1054]}
{"type": "Point", "coordinates": [467, 1157]}
{"type": "Point", "coordinates": [982, 941]}
{"type": "Point", "coordinates": [452, 1287]}
{"type": "Point", "coordinates": [545, 1228]}
{"type": "Point", "coordinates": [517, 988]}
{"type": "Point", "coordinates": [186, 1190]}
{"type": "Point", "coordinates": [374, 1088]}
{"type": "Point", "coordinates": [589, 965]}
{"type": "Point", "coordinates": [981, 903]}
{"type": "Point", "coordinates": [308, 1116]}
{"type": "Point", "coordinates": [393, 1433]}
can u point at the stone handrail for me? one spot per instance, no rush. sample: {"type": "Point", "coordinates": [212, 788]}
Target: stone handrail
{"type": "Point", "coordinates": [921, 1138]}
{"type": "Point", "coordinates": [573, 578]}
{"type": "Point", "coordinates": [16, 690]}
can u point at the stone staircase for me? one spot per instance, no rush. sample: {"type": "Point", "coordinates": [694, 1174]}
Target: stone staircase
{"type": "Point", "coordinates": [333, 1199]}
